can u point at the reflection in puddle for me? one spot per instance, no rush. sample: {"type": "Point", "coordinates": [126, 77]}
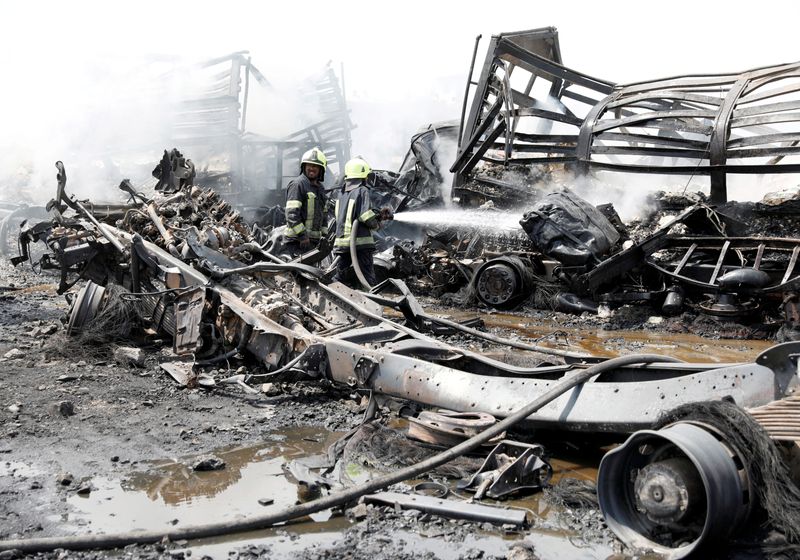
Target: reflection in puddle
{"type": "Point", "coordinates": [171, 493]}
{"type": "Point", "coordinates": [599, 342]}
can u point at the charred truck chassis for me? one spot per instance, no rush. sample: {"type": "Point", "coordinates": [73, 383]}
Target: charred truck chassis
{"type": "Point", "coordinates": [287, 319]}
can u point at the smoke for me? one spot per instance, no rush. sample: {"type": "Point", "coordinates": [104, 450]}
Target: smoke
{"type": "Point", "coordinates": [284, 107]}
{"type": "Point", "coordinates": [389, 116]}
{"type": "Point", "coordinates": [446, 151]}
{"type": "Point", "coordinates": [106, 119]}
{"type": "Point", "coordinates": [110, 118]}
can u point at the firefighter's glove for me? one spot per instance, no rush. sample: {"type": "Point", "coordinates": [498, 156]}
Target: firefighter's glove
{"type": "Point", "coordinates": [386, 214]}
{"type": "Point", "coordinates": [305, 243]}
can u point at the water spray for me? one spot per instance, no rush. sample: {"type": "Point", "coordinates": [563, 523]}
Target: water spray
{"type": "Point", "coordinates": [479, 219]}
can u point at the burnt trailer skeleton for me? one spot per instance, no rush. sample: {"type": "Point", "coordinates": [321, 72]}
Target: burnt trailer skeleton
{"type": "Point", "coordinates": [528, 108]}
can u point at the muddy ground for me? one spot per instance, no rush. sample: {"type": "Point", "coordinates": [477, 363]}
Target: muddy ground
{"type": "Point", "coordinates": [89, 445]}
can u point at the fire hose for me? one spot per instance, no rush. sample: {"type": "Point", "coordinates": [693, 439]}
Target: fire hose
{"type": "Point", "coordinates": [354, 256]}
{"type": "Point", "coordinates": [88, 542]}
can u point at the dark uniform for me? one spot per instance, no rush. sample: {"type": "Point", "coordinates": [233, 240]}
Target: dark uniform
{"type": "Point", "coordinates": [305, 214]}
{"type": "Point", "coordinates": [354, 203]}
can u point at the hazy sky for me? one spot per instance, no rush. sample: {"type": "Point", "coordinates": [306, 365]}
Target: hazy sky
{"type": "Point", "coordinates": [405, 62]}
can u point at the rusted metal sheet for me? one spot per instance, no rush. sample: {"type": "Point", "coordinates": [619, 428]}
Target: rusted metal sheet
{"type": "Point", "coordinates": [188, 315]}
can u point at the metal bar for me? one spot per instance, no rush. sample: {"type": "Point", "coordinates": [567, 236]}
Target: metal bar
{"type": "Point", "coordinates": [766, 108]}
{"type": "Point", "coordinates": [466, 89]}
{"type": "Point", "coordinates": [759, 255]}
{"type": "Point", "coordinates": [480, 94]}
{"type": "Point", "coordinates": [690, 170]}
{"type": "Point", "coordinates": [537, 148]}
{"type": "Point", "coordinates": [760, 80]}
{"type": "Point", "coordinates": [765, 119]}
{"type": "Point", "coordinates": [529, 85]}
{"type": "Point", "coordinates": [246, 95]}
{"type": "Point", "coordinates": [792, 263]}
{"type": "Point", "coordinates": [534, 63]}
{"type": "Point", "coordinates": [764, 152]}
{"type": "Point", "coordinates": [651, 139]}
{"type": "Point", "coordinates": [451, 508]}
{"type": "Point", "coordinates": [666, 94]}
{"type": "Point", "coordinates": [720, 260]}
{"type": "Point", "coordinates": [676, 126]}
{"type": "Point", "coordinates": [558, 159]}
{"type": "Point", "coordinates": [752, 98]}
{"type": "Point", "coordinates": [644, 117]}
{"type": "Point", "coordinates": [467, 149]}
{"type": "Point", "coordinates": [685, 259]}
{"type": "Point", "coordinates": [578, 97]}
{"type": "Point", "coordinates": [764, 139]}
{"type": "Point", "coordinates": [476, 156]}
{"type": "Point", "coordinates": [550, 115]}
{"type": "Point", "coordinates": [650, 151]}
{"type": "Point", "coordinates": [525, 137]}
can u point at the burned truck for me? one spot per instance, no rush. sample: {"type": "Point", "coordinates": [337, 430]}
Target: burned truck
{"type": "Point", "coordinates": [195, 274]}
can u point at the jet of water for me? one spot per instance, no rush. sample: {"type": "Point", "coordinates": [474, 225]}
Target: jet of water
{"type": "Point", "coordinates": [479, 219]}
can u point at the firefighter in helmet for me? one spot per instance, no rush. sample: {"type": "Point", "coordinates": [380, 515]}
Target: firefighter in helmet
{"type": "Point", "coordinates": [353, 205]}
{"type": "Point", "coordinates": [305, 205]}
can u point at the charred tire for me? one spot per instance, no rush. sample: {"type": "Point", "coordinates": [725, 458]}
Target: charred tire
{"type": "Point", "coordinates": [85, 307]}
{"type": "Point", "coordinates": [503, 282]}
{"type": "Point", "coordinates": [675, 490]}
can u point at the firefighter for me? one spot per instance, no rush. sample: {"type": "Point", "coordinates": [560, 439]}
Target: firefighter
{"type": "Point", "coordinates": [305, 205]}
{"type": "Point", "coordinates": [354, 204]}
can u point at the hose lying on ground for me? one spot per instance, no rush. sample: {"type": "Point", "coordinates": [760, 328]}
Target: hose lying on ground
{"type": "Point", "coordinates": [453, 324]}
{"type": "Point", "coordinates": [333, 500]}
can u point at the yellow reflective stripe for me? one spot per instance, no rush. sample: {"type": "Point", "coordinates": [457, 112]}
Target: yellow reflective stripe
{"type": "Point", "coordinates": [293, 204]}
{"type": "Point", "coordinates": [366, 216]}
{"type": "Point", "coordinates": [341, 242]}
{"type": "Point", "coordinates": [298, 228]}
{"type": "Point", "coordinates": [314, 234]}
{"type": "Point", "coordinates": [348, 219]}
{"type": "Point", "coordinates": [310, 211]}
{"type": "Point", "coordinates": [364, 240]}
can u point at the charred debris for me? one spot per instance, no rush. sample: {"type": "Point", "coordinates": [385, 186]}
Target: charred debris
{"type": "Point", "coordinates": [202, 269]}
{"type": "Point", "coordinates": [196, 274]}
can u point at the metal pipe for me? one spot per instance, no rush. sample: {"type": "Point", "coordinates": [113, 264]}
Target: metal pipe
{"type": "Point", "coordinates": [169, 240]}
{"type": "Point", "coordinates": [100, 227]}
{"type": "Point", "coordinates": [466, 89]}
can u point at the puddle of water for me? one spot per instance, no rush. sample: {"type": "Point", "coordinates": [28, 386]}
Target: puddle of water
{"type": "Point", "coordinates": [170, 493]}
{"type": "Point", "coordinates": [598, 342]}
